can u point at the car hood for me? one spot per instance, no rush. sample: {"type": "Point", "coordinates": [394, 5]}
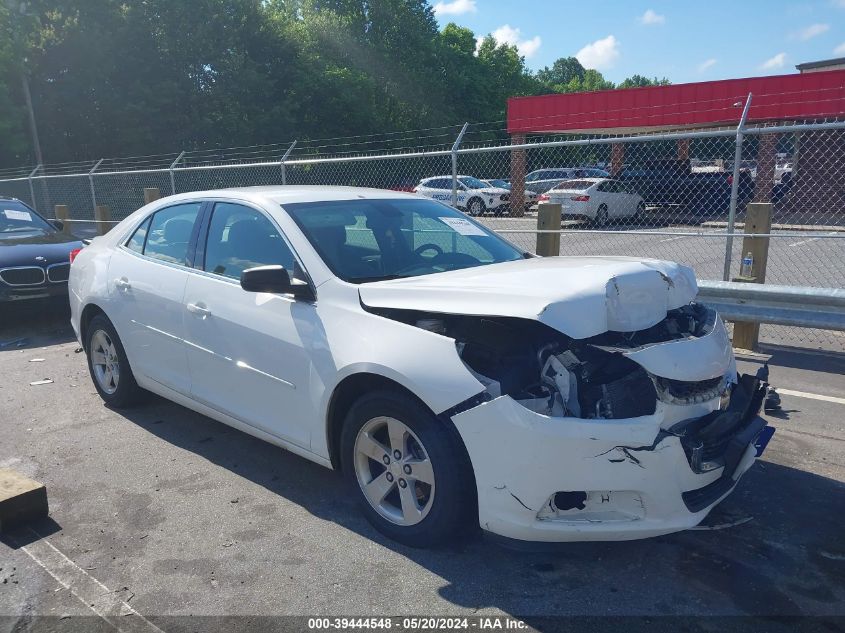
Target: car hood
{"type": "Point", "coordinates": [490, 191]}
{"type": "Point", "coordinates": [22, 250]}
{"type": "Point", "coordinates": [578, 296]}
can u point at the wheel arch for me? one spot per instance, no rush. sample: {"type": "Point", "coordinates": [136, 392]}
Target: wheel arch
{"type": "Point", "coordinates": [88, 313]}
{"type": "Point", "coordinates": [344, 395]}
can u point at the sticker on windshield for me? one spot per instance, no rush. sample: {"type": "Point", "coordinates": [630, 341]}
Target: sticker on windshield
{"type": "Point", "coordinates": [11, 214]}
{"type": "Point", "coordinates": [462, 226]}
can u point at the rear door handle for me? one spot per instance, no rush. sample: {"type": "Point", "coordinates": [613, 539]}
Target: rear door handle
{"type": "Point", "coordinates": [199, 309]}
{"type": "Point", "coordinates": [122, 283]}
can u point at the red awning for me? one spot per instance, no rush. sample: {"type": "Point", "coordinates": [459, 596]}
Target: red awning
{"type": "Point", "coordinates": [816, 95]}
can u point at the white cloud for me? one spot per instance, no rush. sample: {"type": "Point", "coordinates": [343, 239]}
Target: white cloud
{"type": "Point", "coordinates": [506, 34]}
{"type": "Point", "coordinates": [651, 17]}
{"type": "Point", "coordinates": [774, 62]}
{"type": "Point", "coordinates": [456, 7]}
{"type": "Point", "coordinates": [809, 32]}
{"type": "Point", "coordinates": [707, 63]}
{"type": "Point", "coordinates": [600, 54]}
{"type": "Point", "coordinates": [839, 50]}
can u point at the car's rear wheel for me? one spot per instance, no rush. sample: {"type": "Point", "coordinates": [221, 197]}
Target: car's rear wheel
{"type": "Point", "coordinates": [411, 475]}
{"type": "Point", "coordinates": [476, 207]}
{"type": "Point", "coordinates": [601, 216]}
{"type": "Point", "coordinates": [109, 366]}
{"type": "Point", "coordinates": [639, 215]}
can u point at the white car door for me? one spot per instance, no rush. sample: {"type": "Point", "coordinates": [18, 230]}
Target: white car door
{"type": "Point", "coordinates": [147, 278]}
{"type": "Point", "coordinates": [245, 350]}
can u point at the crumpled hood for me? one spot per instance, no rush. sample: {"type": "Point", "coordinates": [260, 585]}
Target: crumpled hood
{"type": "Point", "coordinates": [578, 296]}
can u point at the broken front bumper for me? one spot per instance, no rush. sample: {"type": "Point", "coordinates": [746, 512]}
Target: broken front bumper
{"type": "Point", "coordinates": [541, 478]}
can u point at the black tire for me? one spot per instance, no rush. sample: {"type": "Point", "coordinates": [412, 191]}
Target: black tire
{"type": "Point", "coordinates": [476, 207]}
{"type": "Point", "coordinates": [127, 392]}
{"type": "Point", "coordinates": [639, 216]}
{"type": "Point", "coordinates": [601, 216]}
{"type": "Point", "coordinates": [454, 511]}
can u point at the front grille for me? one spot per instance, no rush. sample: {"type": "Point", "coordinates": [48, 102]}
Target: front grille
{"type": "Point", "coordinates": [23, 276]}
{"type": "Point", "coordinates": [505, 197]}
{"type": "Point", "coordinates": [58, 272]}
{"type": "Point", "coordinates": [684, 392]}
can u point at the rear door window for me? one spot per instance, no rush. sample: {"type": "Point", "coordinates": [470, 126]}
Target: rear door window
{"type": "Point", "coordinates": [170, 230]}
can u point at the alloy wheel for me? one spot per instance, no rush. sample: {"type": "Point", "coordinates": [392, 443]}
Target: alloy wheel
{"type": "Point", "coordinates": [394, 471]}
{"type": "Point", "coordinates": [105, 362]}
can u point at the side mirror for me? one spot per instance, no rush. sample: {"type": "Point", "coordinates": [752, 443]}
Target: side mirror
{"type": "Point", "coordinates": [275, 279]}
{"type": "Point", "coordinates": [58, 224]}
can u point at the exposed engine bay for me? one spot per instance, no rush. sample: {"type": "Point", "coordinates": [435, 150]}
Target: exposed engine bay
{"type": "Point", "coordinates": [553, 374]}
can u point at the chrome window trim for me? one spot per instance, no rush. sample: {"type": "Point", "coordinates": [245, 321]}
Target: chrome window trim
{"type": "Point", "coordinates": [124, 240]}
{"type": "Point", "coordinates": [37, 283]}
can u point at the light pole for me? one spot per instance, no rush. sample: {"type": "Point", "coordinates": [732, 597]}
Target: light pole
{"type": "Point", "coordinates": [16, 6]}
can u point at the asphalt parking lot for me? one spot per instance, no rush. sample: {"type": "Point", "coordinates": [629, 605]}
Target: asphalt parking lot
{"type": "Point", "coordinates": [160, 511]}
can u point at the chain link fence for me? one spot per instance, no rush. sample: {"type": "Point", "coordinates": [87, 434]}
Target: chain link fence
{"type": "Point", "coordinates": [677, 195]}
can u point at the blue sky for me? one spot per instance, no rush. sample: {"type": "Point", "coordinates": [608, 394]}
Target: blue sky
{"type": "Point", "coordinates": [688, 40]}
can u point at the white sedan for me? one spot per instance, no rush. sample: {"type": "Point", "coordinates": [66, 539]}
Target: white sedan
{"type": "Point", "coordinates": [597, 199]}
{"type": "Point", "coordinates": [475, 196]}
{"type": "Point", "coordinates": [456, 380]}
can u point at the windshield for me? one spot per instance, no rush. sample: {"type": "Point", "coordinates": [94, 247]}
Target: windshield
{"type": "Point", "coordinates": [372, 240]}
{"type": "Point", "coordinates": [474, 183]}
{"type": "Point", "coordinates": [502, 184]}
{"type": "Point", "coordinates": [16, 218]}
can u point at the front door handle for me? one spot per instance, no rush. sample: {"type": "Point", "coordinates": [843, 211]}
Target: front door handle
{"type": "Point", "coordinates": [122, 284]}
{"type": "Point", "coordinates": [199, 309]}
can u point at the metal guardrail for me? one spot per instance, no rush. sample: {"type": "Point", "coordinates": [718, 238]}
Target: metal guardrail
{"type": "Point", "coordinates": [822, 308]}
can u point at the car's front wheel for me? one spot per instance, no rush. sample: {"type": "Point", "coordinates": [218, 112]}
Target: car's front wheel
{"type": "Point", "coordinates": [411, 474]}
{"type": "Point", "coordinates": [476, 207]}
{"type": "Point", "coordinates": [109, 366]}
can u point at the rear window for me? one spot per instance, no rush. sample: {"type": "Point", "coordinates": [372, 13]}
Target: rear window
{"type": "Point", "coordinates": [577, 185]}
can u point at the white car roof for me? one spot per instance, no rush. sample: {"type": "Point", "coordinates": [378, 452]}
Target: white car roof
{"type": "Point", "coordinates": [282, 194]}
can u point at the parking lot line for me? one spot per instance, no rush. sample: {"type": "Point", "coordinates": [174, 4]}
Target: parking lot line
{"type": "Point", "coordinates": [812, 239]}
{"type": "Point", "coordinates": [672, 239]}
{"type": "Point", "coordinates": [811, 396]}
{"type": "Point", "coordinates": [83, 586]}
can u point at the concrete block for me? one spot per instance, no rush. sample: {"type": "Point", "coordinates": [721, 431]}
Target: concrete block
{"type": "Point", "coordinates": [21, 499]}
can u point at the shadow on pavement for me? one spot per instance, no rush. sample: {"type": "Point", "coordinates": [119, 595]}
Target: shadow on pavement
{"type": "Point", "coordinates": [788, 560]}
{"type": "Point", "coordinates": [36, 323]}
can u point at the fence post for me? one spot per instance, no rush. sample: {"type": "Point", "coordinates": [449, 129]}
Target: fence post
{"type": "Point", "coordinates": [172, 177]}
{"type": "Point", "coordinates": [758, 219]}
{"type": "Point", "coordinates": [548, 219]}
{"type": "Point", "coordinates": [518, 164]}
{"type": "Point", "coordinates": [729, 243]}
{"type": "Point", "coordinates": [455, 147]}
{"type": "Point", "coordinates": [151, 194]}
{"type": "Point", "coordinates": [102, 215]}
{"type": "Point", "coordinates": [62, 214]}
{"type": "Point", "coordinates": [282, 162]}
{"type": "Point", "coordinates": [31, 188]}
{"type": "Point", "coordinates": [91, 182]}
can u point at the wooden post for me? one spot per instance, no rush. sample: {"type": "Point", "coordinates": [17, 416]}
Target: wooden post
{"type": "Point", "coordinates": [62, 214]}
{"type": "Point", "coordinates": [102, 215]}
{"type": "Point", "coordinates": [151, 194]}
{"type": "Point", "coordinates": [617, 158]}
{"type": "Point", "coordinates": [758, 219]}
{"type": "Point", "coordinates": [683, 148]}
{"type": "Point", "coordinates": [548, 219]}
{"type": "Point", "coordinates": [766, 163]}
{"type": "Point", "coordinates": [518, 177]}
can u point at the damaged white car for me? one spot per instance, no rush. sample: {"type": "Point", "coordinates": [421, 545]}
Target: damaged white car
{"type": "Point", "coordinates": [455, 379]}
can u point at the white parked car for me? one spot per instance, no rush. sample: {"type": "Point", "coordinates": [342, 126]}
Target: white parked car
{"type": "Point", "coordinates": [541, 180]}
{"type": "Point", "coordinates": [597, 199]}
{"type": "Point", "coordinates": [530, 196]}
{"type": "Point", "coordinates": [456, 380]}
{"type": "Point", "coordinates": [475, 196]}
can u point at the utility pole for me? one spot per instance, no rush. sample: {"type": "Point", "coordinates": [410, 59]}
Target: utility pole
{"type": "Point", "coordinates": [33, 128]}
